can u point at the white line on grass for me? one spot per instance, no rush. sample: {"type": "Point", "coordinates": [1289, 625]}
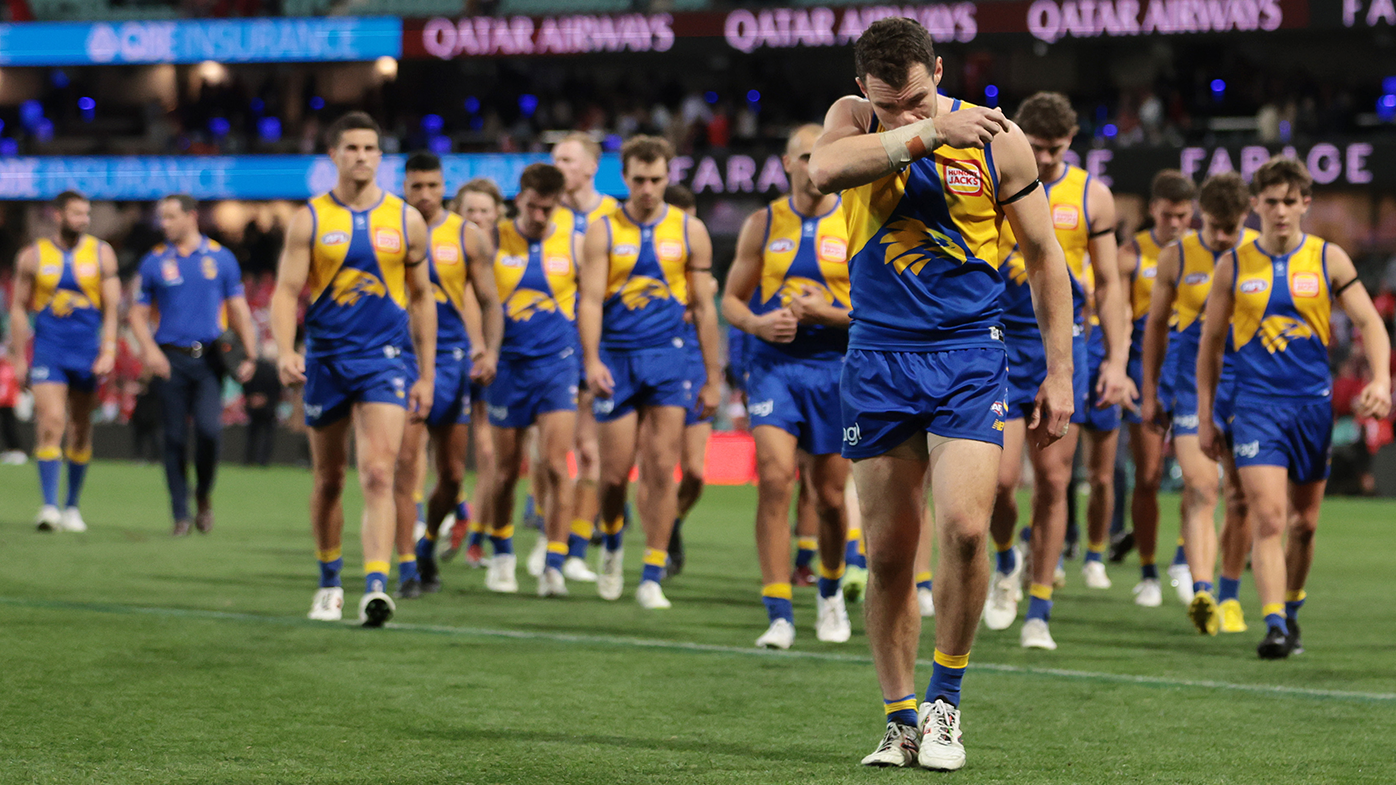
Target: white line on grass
{"type": "Point", "coordinates": [710, 648]}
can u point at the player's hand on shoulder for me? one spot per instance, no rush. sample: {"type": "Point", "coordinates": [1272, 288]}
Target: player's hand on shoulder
{"type": "Point", "coordinates": [778, 326]}
{"type": "Point", "coordinates": [970, 126]}
{"type": "Point", "coordinates": [290, 367]}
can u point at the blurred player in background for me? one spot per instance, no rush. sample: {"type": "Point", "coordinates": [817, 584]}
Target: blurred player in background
{"type": "Point", "coordinates": [643, 267]}
{"type": "Point", "coordinates": [1275, 294]}
{"type": "Point", "coordinates": [68, 281]}
{"type": "Point", "coordinates": [362, 252]}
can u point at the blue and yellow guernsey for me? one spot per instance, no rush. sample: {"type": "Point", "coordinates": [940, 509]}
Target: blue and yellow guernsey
{"type": "Point", "coordinates": [1280, 326]}
{"type": "Point", "coordinates": [358, 279]}
{"type": "Point", "coordinates": [67, 299]}
{"type": "Point", "coordinates": [1071, 222]}
{"type": "Point", "coordinates": [803, 252]}
{"type": "Point", "coordinates": [1141, 286]}
{"type": "Point", "coordinates": [450, 271]}
{"type": "Point", "coordinates": [924, 267]}
{"type": "Point", "coordinates": [647, 289]}
{"type": "Point", "coordinates": [580, 220]}
{"type": "Point", "coordinates": [1196, 263]}
{"type": "Point", "coordinates": [537, 282]}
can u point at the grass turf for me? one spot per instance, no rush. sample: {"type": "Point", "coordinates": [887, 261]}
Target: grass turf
{"type": "Point", "coordinates": [130, 657]}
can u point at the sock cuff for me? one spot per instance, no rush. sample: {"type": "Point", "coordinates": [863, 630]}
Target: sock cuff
{"type": "Point", "coordinates": [923, 576]}
{"type": "Point", "coordinates": [329, 555]}
{"type": "Point", "coordinates": [1295, 596]}
{"type": "Point", "coordinates": [900, 704]}
{"type": "Point", "coordinates": [807, 543]}
{"type": "Point", "coordinates": [777, 591]}
{"type": "Point", "coordinates": [503, 534]}
{"type": "Point", "coordinates": [1003, 546]}
{"type": "Point", "coordinates": [1096, 547]}
{"type": "Point", "coordinates": [478, 527]}
{"type": "Point", "coordinates": [557, 547]}
{"type": "Point", "coordinates": [1041, 592]}
{"type": "Point", "coordinates": [655, 557]}
{"type": "Point", "coordinates": [82, 456]}
{"type": "Point", "coordinates": [371, 567]}
{"type": "Point", "coordinates": [428, 536]}
{"type": "Point", "coordinates": [854, 534]}
{"type": "Point", "coordinates": [417, 496]}
{"type": "Point", "coordinates": [582, 528]}
{"type": "Point", "coordinates": [1181, 541]}
{"type": "Point", "coordinates": [48, 454]}
{"type": "Point", "coordinates": [1146, 561]}
{"type": "Point", "coordinates": [613, 526]}
{"type": "Point", "coordinates": [951, 660]}
{"type": "Point", "coordinates": [1272, 609]}
{"type": "Point", "coordinates": [828, 574]}
{"type": "Point", "coordinates": [404, 558]}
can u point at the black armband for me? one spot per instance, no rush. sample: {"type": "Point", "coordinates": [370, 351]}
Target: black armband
{"type": "Point", "coordinates": [1102, 233]}
{"type": "Point", "coordinates": [1344, 287]}
{"type": "Point", "coordinates": [1032, 186]}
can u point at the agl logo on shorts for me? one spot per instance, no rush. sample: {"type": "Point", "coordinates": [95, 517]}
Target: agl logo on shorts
{"type": "Point", "coordinates": [852, 434]}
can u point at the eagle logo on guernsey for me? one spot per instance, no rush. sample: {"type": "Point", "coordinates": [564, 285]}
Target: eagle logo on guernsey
{"type": "Point", "coordinates": [911, 244]}
{"type": "Point", "coordinates": [334, 238]}
{"type": "Point", "coordinates": [796, 285]}
{"type": "Point", "coordinates": [1304, 285]}
{"type": "Point", "coordinates": [1066, 216]}
{"type": "Point", "coordinates": [962, 178]}
{"type": "Point", "coordinates": [642, 290]}
{"type": "Point", "coordinates": [524, 303]}
{"type": "Point", "coordinates": [1276, 332]}
{"type": "Point", "coordinates": [446, 254]}
{"type": "Point", "coordinates": [1017, 269]}
{"type": "Point", "coordinates": [1253, 286]}
{"type": "Point", "coordinates": [387, 239]}
{"type": "Point", "coordinates": [65, 301]}
{"type": "Point", "coordinates": [351, 284]}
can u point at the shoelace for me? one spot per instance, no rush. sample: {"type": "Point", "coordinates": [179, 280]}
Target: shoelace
{"type": "Point", "coordinates": [895, 737]}
{"type": "Point", "coordinates": [943, 718]}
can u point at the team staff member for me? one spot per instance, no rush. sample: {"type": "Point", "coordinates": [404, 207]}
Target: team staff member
{"type": "Point", "coordinates": [194, 287]}
{"type": "Point", "coordinates": [1276, 295]}
{"type": "Point", "coordinates": [361, 250]}
{"type": "Point", "coordinates": [69, 282]}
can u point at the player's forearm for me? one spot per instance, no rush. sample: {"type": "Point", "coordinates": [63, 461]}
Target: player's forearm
{"type": "Point", "coordinates": [283, 321]}
{"type": "Point", "coordinates": [423, 319]}
{"type": "Point", "coordinates": [19, 332]}
{"type": "Point", "coordinates": [833, 316]}
{"type": "Point", "coordinates": [1051, 302]}
{"type": "Point", "coordinates": [1113, 320]}
{"type": "Point", "coordinates": [1209, 362]}
{"type": "Point", "coordinates": [705, 316]}
{"type": "Point", "coordinates": [1376, 344]}
{"type": "Point", "coordinates": [1155, 346]}
{"type": "Point", "coordinates": [243, 326]}
{"type": "Point", "coordinates": [738, 314]}
{"type": "Point", "coordinates": [849, 162]}
{"type": "Point", "coordinates": [589, 330]}
{"type": "Point", "coordinates": [139, 319]}
{"type": "Point", "coordinates": [491, 322]}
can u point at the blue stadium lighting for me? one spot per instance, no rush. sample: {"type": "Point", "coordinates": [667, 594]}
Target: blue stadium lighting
{"type": "Point", "coordinates": [439, 144]}
{"type": "Point", "coordinates": [257, 105]}
{"type": "Point", "coordinates": [991, 94]}
{"type": "Point", "coordinates": [44, 129]}
{"type": "Point", "coordinates": [1389, 101]}
{"type": "Point", "coordinates": [612, 143]}
{"type": "Point", "coordinates": [1388, 85]}
{"type": "Point", "coordinates": [1386, 107]}
{"type": "Point", "coordinates": [1286, 131]}
{"type": "Point", "coordinates": [472, 104]}
{"type": "Point", "coordinates": [433, 124]}
{"type": "Point", "coordinates": [30, 113]}
{"type": "Point", "coordinates": [59, 79]}
{"type": "Point", "coordinates": [528, 104]}
{"type": "Point", "coordinates": [269, 129]}
{"type": "Point", "coordinates": [476, 123]}
{"type": "Point", "coordinates": [9, 147]}
{"type": "Point", "coordinates": [710, 97]}
{"type": "Point", "coordinates": [317, 103]}
{"type": "Point", "coordinates": [86, 104]}
{"type": "Point", "coordinates": [219, 126]}
{"type": "Point", "coordinates": [1110, 130]}
{"type": "Point", "coordinates": [1218, 86]}
{"type": "Point", "coordinates": [2, 125]}
{"type": "Point", "coordinates": [753, 96]}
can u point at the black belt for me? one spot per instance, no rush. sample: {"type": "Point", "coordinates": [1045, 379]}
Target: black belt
{"type": "Point", "coordinates": [195, 350]}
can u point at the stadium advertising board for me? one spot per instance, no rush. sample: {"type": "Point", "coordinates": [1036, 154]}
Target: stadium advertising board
{"type": "Point", "coordinates": [269, 40]}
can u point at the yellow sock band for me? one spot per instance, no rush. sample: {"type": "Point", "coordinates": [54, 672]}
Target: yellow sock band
{"type": "Point", "coordinates": [1181, 541]}
{"type": "Point", "coordinates": [375, 566]}
{"type": "Point", "coordinates": [905, 704]}
{"type": "Point", "coordinates": [922, 577]}
{"type": "Point", "coordinates": [1277, 608]}
{"type": "Point", "coordinates": [1041, 592]}
{"type": "Point", "coordinates": [330, 555]}
{"type": "Point", "coordinates": [583, 528]}
{"type": "Point", "coordinates": [613, 527]}
{"type": "Point", "coordinates": [807, 543]}
{"type": "Point", "coordinates": [779, 591]}
{"type": "Point", "coordinates": [1096, 547]}
{"type": "Point", "coordinates": [477, 527]}
{"type": "Point", "coordinates": [406, 558]}
{"type": "Point", "coordinates": [557, 547]}
{"type": "Point", "coordinates": [951, 660]}
{"type": "Point", "coordinates": [79, 456]}
{"type": "Point", "coordinates": [1146, 560]}
{"type": "Point", "coordinates": [1004, 546]}
{"type": "Point", "coordinates": [503, 534]}
{"type": "Point", "coordinates": [417, 496]}
{"type": "Point", "coordinates": [855, 534]}
{"type": "Point", "coordinates": [655, 557]}
{"type": "Point", "coordinates": [430, 537]}
{"type": "Point", "coordinates": [48, 454]}
{"type": "Point", "coordinates": [1295, 596]}
{"type": "Point", "coordinates": [828, 574]}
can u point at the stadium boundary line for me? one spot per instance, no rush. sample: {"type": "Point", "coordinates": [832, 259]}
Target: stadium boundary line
{"type": "Point", "coordinates": [706, 648]}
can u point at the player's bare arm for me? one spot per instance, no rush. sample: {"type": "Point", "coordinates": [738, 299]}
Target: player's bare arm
{"type": "Point", "coordinates": [1375, 399]}
{"type": "Point", "coordinates": [23, 292]}
{"type": "Point", "coordinates": [591, 290]}
{"type": "Point", "coordinates": [1221, 304]}
{"type": "Point", "coordinates": [421, 312]}
{"type": "Point", "coordinates": [1156, 334]}
{"type": "Point", "coordinates": [701, 287]}
{"type": "Point", "coordinates": [1030, 217]}
{"type": "Point", "coordinates": [743, 277]}
{"type": "Point", "coordinates": [482, 302]}
{"type": "Point", "coordinates": [1127, 260]}
{"type": "Point", "coordinates": [111, 303]}
{"type": "Point", "coordinates": [1113, 385]}
{"type": "Point", "coordinates": [291, 275]}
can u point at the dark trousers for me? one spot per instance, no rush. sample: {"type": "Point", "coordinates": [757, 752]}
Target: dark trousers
{"type": "Point", "coordinates": [193, 392]}
{"type": "Point", "coordinates": [261, 436]}
{"type": "Point", "coordinates": [9, 433]}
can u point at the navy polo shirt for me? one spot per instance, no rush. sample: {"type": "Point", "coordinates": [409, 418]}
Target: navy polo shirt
{"type": "Point", "coordinates": [188, 291]}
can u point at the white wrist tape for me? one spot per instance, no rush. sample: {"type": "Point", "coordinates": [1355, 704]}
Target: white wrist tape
{"type": "Point", "coordinates": [906, 144]}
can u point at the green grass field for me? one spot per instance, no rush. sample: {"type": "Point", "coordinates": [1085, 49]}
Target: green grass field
{"type": "Point", "coordinates": [130, 657]}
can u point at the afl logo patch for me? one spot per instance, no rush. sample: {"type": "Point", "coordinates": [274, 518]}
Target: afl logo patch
{"type": "Point", "coordinates": [782, 245]}
{"type": "Point", "coordinates": [1066, 216]}
{"type": "Point", "coordinates": [625, 250]}
{"type": "Point", "coordinates": [670, 250]}
{"type": "Point", "coordinates": [334, 238]}
{"type": "Point", "coordinates": [513, 261]}
{"type": "Point", "coordinates": [833, 249]}
{"type": "Point", "coordinates": [1253, 286]}
{"type": "Point", "coordinates": [1148, 272]}
{"type": "Point", "coordinates": [446, 254]}
{"type": "Point", "coordinates": [1304, 285]}
{"type": "Point", "coordinates": [1193, 279]}
{"type": "Point", "coordinates": [962, 178]}
{"type": "Point", "coordinates": [557, 265]}
{"type": "Point", "coordinates": [387, 240]}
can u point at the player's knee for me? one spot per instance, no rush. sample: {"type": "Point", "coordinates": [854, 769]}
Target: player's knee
{"type": "Point", "coordinates": [1148, 482]}
{"type": "Point", "coordinates": [377, 477]}
{"type": "Point", "coordinates": [556, 471]}
{"type": "Point", "coordinates": [1102, 479]}
{"type": "Point", "coordinates": [1269, 522]}
{"type": "Point", "coordinates": [830, 499]}
{"type": "Point", "coordinates": [961, 536]}
{"type": "Point", "coordinates": [776, 478]}
{"type": "Point", "coordinates": [693, 476]}
{"type": "Point", "coordinates": [329, 484]}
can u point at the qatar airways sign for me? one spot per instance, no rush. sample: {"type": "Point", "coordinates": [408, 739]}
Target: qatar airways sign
{"type": "Point", "coordinates": [780, 28]}
{"type": "Point", "coordinates": [1052, 20]}
{"type": "Point", "coordinates": [488, 36]}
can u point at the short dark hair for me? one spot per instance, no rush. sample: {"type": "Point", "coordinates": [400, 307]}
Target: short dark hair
{"type": "Point", "coordinates": [1282, 170]}
{"type": "Point", "coordinates": [680, 196]}
{"type": "Point", "coordinates": [481, 185]}
{"type": "Point", "coordinates": [542, 179]}
{"type": "Point", "coordinates": [1047, 116]}
{"type": "Point", "coordinates": [423, 162]}
{"type": "Point", "coordinates": [1224, 197]}
{"type": "Point", "coordinates": [186, 202]}
{"type": "Point", "coordinates": [888, 49]}
{"type": "Point", "coordinates": [645, 149]}
{"type": "Point", "coordinates": [60, 202]}
{"type": "Point", "coordinates": [1171, 185]}
{"type": "Point", "coordinates": [353, 121]}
